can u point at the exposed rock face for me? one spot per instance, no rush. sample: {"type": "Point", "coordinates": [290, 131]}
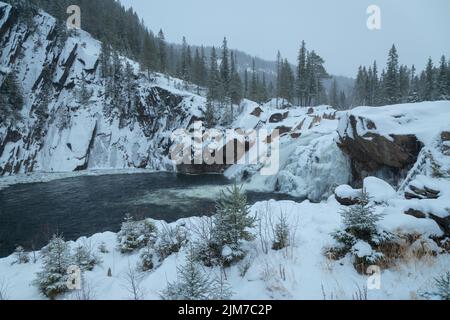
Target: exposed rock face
{"type": "Point", "coordinates": [76, 133]}
{"type": "Point", "coordinates": [371, 152]}
{"type": "Point", "coordinates": [278, 117]}
{"type": "Point", "coordinates": [237, 150]}
{"type": "Point", "coordinates": [257, 112]}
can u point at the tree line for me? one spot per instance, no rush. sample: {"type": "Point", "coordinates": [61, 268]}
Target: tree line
{"type": "Point", "coordinates": [400, 83]}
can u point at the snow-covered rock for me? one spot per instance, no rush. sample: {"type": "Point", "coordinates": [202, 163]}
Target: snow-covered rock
{"type": "Point", "coordinates": [386, 141]}
{"type": "Point", "coordinates": [379, 190]}
{"type": "Point", "coordinates": [80, 135]}
{"type": "Point", "coordinates": [346, 195]}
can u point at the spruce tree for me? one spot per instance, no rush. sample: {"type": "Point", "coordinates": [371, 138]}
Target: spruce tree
{"type": "Point", "coordinates": [442, 81]}
{"type": "Point", "coordinates": [430, 85]}
{"type": "Point", "coordinates": [235, 82]}
{"type": "Point", "coordinates": [52, 280]}
{"type": "Point", "coordinates": [225, 68]}
{"type": "Point", "coordinates": [404, 76]}
{"type": "Point", "coordinates": [246, 85]}
{"type": "Point", "coordinates": [192, 282]}
{"type": "Point", "coordinates": [11, 100]}
{"type": "Point", "coordinates": [392, 79]}
{"type": "Point", "coordinates": [343, 101]}
{"type": "Point", "coordinates": [334, 99]}
{"type": "Point", "coordinates": [162, 48]}
{"type": "Point", "coordinates": [302, 75]}
{"type": "Point", "coordinates": [278, 86]}
{"type": "Point", "coordinates": [254, 83]}
{"type": "Point", "coordinates": [231, 225]}
{"type": "Point", "coordinates": [214, 83]}
{"type": "Point", "coordinates": [374, 93]}
{"type": "Point", "coordinates": [210, 113]}
{"type": "Point", "coordinates": [185, 61]}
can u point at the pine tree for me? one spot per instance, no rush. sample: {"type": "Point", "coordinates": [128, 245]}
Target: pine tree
{"type": "Point", "coordinates": [254, 83]}
{"type": "Point", "coordinates": [281, 234]}
{"type": "Point", "coordinates": [135, 234]}
{"type": "Point", "coordinates": [232, 222]}
{"type": "Point", "coordinates": [404, 76]}
{"type": "Point", "coordinates": [278, 86]}
{"type": "Point", "coordinates": [197, 70]}
{"type": "Point", "coordinates": [210, 113]}
{"type": "Point", "coordinates": [52, 280]}
{"type": "Point", "coordinates": [185, 61]}
{"type": "Point", "coordinates": [287, 82]}
{"type": "Point", "coordinates": [334, 99]}
{"type": "Point", "coordinates": [391, 79]}
{"type": "Point", "coordinates": [414, 88]}
{"type": "Point", "coordinates": [191, 284]}
{"type": "Point", "coordinates": [162, 48]}
{"type": "Point", "coordinates": [361, 219]}
{"type": "Point", "coordinates": [225, 68]}
{"type": "Point", "coordinates": [11, 100]}
{"type": "Point", "coordinates": [374, 93]}
{"type": "Point", "coordinates": [448, 78]}
{"type": "Point", "coordinates": [235, 82]}
{"type": "Point", "coordinates": [214, 83]}
{"type": "Point", "coordinates": [105, 61]}
{"type": "Point", "coordinates": [442, 81]}
{"type": "Point", "coordinates": [361, 87]}
{"type": "Point", "coordinates": [246, 85]}
{"type": "Point", "coordinates": [85, 258]}
{"type": "Point", "coordinates": [430, 85]}
{"type": "Point", "coordinates": [343, 101]}
{"type": "Point", "coordinates": [302, 76]}
{"type": "Point", "coordinates": [262, 89]}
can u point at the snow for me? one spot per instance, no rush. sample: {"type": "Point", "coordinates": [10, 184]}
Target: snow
{"type": "Point", "coordinates": [422, 119]}
{"type": "Point", "coordinates": [344, 191]}
{"type": "Point", "coordinates": [362, 249]}
{"type": "Point", "coordinates": [378, 190]}
{"type": "Point", "coordinates": [308, 273]}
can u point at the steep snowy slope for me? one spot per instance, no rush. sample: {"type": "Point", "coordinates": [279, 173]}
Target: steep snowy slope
{"type": "Point", "coordinates": [79, 132]}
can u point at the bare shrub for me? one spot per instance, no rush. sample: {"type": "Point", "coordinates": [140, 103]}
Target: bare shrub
{"type": "Point", "coordinates": [133, 283]}
{"type": "Point", "coordinates": [86, 293]}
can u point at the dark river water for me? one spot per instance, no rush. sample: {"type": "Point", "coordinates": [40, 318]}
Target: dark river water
{"type": "Point", "coordinates": [82, 206]}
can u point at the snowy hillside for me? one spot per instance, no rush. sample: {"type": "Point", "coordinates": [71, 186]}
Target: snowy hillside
{"type": "Point", "coordinates": [376, 180]}
{"type": "Point", "coordinates": [76, 132]}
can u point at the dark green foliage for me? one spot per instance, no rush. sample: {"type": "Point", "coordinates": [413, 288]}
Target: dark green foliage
{"type": "Point", "coordinates": [360, 227]}
{"type": "Point", "coordinates": [85, 258]}
{"type": "Point", "coordinates": [282, 234]}
{"type": "Point", "coordinates": [52, 280]}
{"type": "Point", "coordinates": [170, 241]}
{"type": "Point", "coordinates": [193, 283]}
{"type": "Point", "coordinates": [400, 84]}
{"type": "Point", "coordinates": [11, 100]}
{"type": "Point", "coordinates": [231, 226]}
{"type": "Point", "coordinates": [135, 234]}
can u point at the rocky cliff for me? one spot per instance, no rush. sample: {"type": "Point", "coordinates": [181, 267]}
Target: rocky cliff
{"type": "Point", "coordinates": [68, 121]}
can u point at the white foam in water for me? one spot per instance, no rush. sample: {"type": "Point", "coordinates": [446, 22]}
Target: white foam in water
{"type": "Point", "coordinates": [173, 197]}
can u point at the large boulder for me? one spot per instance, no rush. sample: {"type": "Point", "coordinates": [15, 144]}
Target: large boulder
{"type": "Point", "coordinates": [378, 190]}
{"type": "Point", "coordinates": [346, 195]}
{"type": "Point", "coordinates": [387, 140]}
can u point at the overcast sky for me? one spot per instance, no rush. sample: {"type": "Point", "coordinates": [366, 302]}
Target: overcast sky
{"type": "Point", "coordinates": [335, 29]}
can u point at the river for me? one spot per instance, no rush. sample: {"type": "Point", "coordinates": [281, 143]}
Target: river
{"type": "Point", "coordinates": [82, 206]}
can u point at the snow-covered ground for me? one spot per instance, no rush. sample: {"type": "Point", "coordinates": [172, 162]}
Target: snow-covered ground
{"type": "Point", "coordinates": [299, 272]}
